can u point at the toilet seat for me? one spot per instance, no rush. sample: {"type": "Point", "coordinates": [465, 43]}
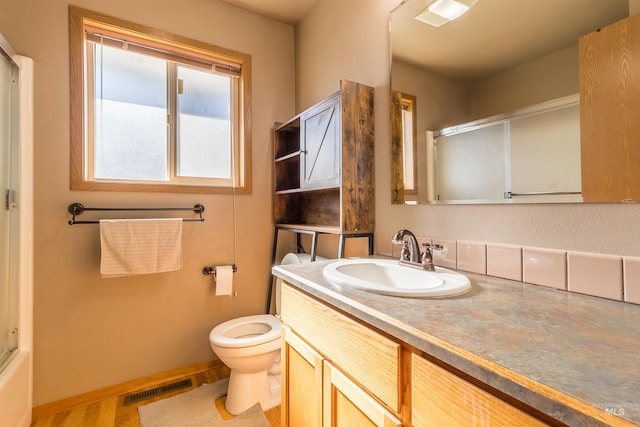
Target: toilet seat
{"type": "Point", "coordinates": [246, 331]}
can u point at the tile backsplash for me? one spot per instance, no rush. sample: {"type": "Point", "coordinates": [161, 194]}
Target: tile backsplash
{"type": "Point", "coordinates": [631, 268]}
{"type": "Point", "coordinates": [607, 276]}
{"type": "Point", "coordinates": [595, 274]}
{"type": "Point", "coordinates": [472, 257]}
{"type": "Point", "coordinates": [546, 267]}
{"type": "Point", "coordinates": [504, 261]}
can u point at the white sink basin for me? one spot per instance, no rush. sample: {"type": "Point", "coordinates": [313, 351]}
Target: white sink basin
{"type": "Point", "coordinates": [387, 277]}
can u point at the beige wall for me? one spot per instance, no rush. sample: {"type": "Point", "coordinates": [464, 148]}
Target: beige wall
{"type": "Point", "coordinates": [552, 76]}
{"type": "Point", "coordinates": [340, 39]}
{"type": "Point", "coordinates": [92, 332]}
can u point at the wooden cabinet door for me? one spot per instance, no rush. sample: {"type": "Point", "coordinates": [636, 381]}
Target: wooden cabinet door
{"type": "Point", "coordinates": [370, 358]}
{"type": "Point", "coordinates": [320, 128]}
{"type": "Point", "coordinates": [610, 112]}
{"type": "Point", "coordinates": [301, 383]}
{"type": "Point", "coordinates": [347, 405]}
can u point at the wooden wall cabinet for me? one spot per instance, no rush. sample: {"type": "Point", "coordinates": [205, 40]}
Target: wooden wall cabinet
{"type": "Point", "coordinates": [610, 112]}
{"type": "Point", "coordinates": [324, 164]}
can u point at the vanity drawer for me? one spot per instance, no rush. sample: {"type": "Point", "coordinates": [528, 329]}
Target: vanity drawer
{"type": "Point", "coordinates": [366, 356]}
{"type": "Point", "coordinates": [440, 398]}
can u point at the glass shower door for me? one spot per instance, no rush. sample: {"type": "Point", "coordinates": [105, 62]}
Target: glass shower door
{"type": "Point", "coordinates": [8, 217]}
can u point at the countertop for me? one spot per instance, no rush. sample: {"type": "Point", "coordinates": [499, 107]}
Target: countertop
{"type": "Point", "coordinates": [562, 353]}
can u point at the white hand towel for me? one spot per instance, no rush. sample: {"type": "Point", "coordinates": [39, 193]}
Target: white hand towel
{"type": "Point", "coordinates": [140, 246]}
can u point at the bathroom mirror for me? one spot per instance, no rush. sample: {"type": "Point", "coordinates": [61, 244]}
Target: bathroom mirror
{"type": "Point", "coordinates": [502, 60]}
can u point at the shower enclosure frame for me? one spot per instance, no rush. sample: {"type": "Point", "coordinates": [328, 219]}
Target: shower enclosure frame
{"type": "Point", "coordinates": [16, 373]}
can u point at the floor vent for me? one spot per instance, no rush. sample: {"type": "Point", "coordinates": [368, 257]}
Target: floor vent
{"type": "Point", "coordinates": [156, 391]}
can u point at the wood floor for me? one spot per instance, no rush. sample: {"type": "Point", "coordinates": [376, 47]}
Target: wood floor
{"type": "Point", "coordinates": [112, 411]}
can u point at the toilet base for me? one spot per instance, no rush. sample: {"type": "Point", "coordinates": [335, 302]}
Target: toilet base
{"type": "Point", "coordinates": [247, 389]}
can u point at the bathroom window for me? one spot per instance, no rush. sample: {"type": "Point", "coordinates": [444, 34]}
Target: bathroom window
{"type": "Point", "coordinates": [153, 111]}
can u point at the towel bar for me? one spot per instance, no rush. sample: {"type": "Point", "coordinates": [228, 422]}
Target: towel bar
{"type": "Point", "coordinates": [78, 208]}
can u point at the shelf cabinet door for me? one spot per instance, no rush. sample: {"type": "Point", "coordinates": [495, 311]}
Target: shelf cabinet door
{"type": "Point", "coordinates": [347, 405]}
{"type": "Point", "coordinates": [320, 128]}
{"type": "Point", "coordinates": [610, 112]}
{"type": "Point", "coordinates": [301, 383]}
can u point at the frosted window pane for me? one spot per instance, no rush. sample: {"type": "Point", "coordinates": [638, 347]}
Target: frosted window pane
{"type": "Point", "coordinates": [130, 116]}
{"type": "Point", "coordinates": [204, 130]}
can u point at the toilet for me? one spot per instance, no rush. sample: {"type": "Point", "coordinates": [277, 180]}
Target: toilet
{"type": "Point", "coordinates": [250, 347]}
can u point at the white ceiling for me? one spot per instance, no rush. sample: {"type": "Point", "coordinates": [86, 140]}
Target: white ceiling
{"type": "Point", "coordinates": [289, 11]}
{"type": "Point", "coordinates": [497, 34]}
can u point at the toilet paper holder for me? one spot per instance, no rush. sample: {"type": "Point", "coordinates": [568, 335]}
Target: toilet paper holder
{"type": "Point", "coordinates": [211, 269]}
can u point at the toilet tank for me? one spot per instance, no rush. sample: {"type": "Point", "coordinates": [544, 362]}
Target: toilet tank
{"type": "Point", "coordinates": [290, 259]}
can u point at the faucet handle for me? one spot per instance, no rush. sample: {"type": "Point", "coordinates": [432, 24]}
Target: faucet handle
{"type": "Point", "coordinates": [432, 246]}
{"type": "Point", "coordinates": [427, 256]}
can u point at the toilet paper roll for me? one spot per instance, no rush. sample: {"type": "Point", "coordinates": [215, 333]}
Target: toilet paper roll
{"type": "Point", "coordinates": [224, 279]}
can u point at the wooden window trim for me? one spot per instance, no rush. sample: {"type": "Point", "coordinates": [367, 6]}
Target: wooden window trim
{"type": "Point", "coordinates": [78, 18]}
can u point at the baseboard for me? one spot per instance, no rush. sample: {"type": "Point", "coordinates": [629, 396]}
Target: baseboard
{"type": "Point", "coordinates": [123, 388]}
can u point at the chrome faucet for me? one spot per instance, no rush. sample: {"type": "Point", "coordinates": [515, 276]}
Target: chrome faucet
{"type": "Point", "coordinates": [413, 254]}
{"type": "Point", "coordinates": [410, 254]}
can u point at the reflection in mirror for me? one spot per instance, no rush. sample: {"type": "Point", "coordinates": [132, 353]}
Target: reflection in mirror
{"type": "Point", "coordinates": [405, 157]}
{"type": "Point", "coordinates": [499, 59]}
{"type": "Point", "coordinates": [531, 155]}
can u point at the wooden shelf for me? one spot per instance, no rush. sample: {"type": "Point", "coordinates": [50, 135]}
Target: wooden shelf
{"type": "Point", "coordinates": [287, 156]}
{"type": "Point", "coordinates": [302, 190]}
{"type": "Point", "coordinates": [327, 229]}
{"type": "Point", "coordinates": [287, 138]}
{"type": "Point", "coordinates": [324, 229]}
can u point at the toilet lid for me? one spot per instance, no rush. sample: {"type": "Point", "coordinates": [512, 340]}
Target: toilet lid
{"type": "Point", "coordinates": [246, 331]}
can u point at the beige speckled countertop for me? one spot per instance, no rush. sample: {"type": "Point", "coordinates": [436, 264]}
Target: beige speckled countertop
{"type": "Point", "coordinates": [559, 352]}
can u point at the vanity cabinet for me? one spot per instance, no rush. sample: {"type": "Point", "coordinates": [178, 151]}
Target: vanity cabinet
{"type": "Point", "coordinates": [336, 372]}
{"type": "Point", "coordinates": [319, 395]}
{"type": "Point", "coordinates": [610, 112]}
{"type": "Point", "coordinates": [324, 164]}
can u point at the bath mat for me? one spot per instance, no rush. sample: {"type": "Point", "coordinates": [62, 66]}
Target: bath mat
{"type": "Point", "coordinates": [197, 408]}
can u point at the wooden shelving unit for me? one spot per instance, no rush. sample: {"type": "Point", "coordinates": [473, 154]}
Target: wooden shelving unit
{"type": "Point", "coordinates": [324, 164]}
{"type": "Point", "coordinates": [324, 169]}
